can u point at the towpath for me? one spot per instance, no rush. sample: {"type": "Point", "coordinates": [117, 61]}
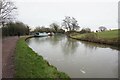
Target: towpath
{"type": "Point", "coordinates": [8, 49]}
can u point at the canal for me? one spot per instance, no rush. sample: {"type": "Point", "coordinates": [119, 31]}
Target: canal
{"type": "Point", "coordinates": [78, 59]}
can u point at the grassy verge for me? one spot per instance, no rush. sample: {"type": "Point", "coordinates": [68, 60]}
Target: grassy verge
{"type": "Point", "coordinates": [29, 64]}
{"type": "Point", "coordinates": [107, 37]}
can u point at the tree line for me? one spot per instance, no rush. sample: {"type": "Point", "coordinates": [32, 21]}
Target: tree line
{"type": "Point", "coordinates": [12, 28]}
{"type": "Point", "coordinates": [54, 27]}
{"type": "Point", "coordinates": [7, 20]}
{"type": "Point", "coordinates": [15, 28]}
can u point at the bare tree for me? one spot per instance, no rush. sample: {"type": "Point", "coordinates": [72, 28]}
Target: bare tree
{"type": "Point", "coordinates": [74, 24]}
{"type": "Point", "coordinates": [55, 26]}
{"type": "Point", "coordinates": [102, 28]}
{"type": "Point", "coordinates": [6, 11]}
{"type": "Point", "coordinates": [70, 23]}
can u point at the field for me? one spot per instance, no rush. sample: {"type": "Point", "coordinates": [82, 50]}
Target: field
{"type": "Point", "coordinates": [29, 64]}
{"type": "Point", "coordinates": [109, 34]}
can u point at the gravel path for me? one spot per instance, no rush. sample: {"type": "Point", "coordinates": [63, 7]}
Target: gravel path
{"type": "Point", "coordinates": [8, 48]}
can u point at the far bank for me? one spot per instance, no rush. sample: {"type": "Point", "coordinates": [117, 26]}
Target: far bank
{"type": "Point", "coordinates": [106, 37]}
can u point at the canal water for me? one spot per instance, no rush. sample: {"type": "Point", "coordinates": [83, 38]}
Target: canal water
{"type": "Point", "coordinates": [78, 59]}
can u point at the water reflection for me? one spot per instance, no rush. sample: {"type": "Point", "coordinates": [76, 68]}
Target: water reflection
{"type": "Point", "coordinates": [39, 40]}
{"type": "Point", "coordinates": [69, 46]}
{"type": "Point", "coordinates": [78, 59]}
{"type": "Point", "coordinates": [54, 40]}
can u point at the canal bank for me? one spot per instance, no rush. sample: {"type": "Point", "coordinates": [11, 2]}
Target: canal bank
{"type": "Point", "coordinates": [29, 64]}
{"type": "Point", "coordinates": [106, 37]}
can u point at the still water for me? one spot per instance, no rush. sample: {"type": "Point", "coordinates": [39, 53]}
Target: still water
{"type": "Point", "coordinates": [78, 59]}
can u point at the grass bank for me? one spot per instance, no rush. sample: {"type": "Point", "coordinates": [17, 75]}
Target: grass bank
{"type": "Point", "coordinates": [29, 64]}
{"type": "Point", "coordinates": [107, 37]}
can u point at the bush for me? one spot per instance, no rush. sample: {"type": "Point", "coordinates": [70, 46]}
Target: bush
{"type": "Point", "coordinates": [85, 30]}
{"type": "Point", "coordinates": [90, 36]}
{"type": "Point", "coordinates": [12, 29]}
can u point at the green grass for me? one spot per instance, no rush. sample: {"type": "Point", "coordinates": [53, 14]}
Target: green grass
{"type": "Point", "coordinates": [109, 34]}
{"type": "Point", "coordinates": [106, 37]}
{"type": "Point", "coordinates": [29, 64]}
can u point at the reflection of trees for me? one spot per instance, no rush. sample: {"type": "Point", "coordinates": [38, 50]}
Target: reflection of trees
{"type": "Point", "coordinates": [90, 45]}
{"type": "Point", "coordinates": [28, 41]}
{"type": "Point", "coordinates": [69, 46]}
{"type": "Point", "coordinates": [40, 39]}
{"type": "Point", "coordinates": [54, 40]}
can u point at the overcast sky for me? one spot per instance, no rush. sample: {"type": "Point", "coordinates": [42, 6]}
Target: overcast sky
{"type": "Point", "coordinates": [90, 14]}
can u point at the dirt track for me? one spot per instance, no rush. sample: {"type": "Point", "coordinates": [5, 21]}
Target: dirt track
{"type": "Point", "coordinates": [8, 48]}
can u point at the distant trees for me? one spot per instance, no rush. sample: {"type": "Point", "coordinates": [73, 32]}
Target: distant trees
{"type": "Point", "coordinates": [85, 30]}
{"type": "Point", "coordinates": [13, 28]}
{"type": "Point", "coordinates": [37, 29]}
{"type": "Point", "coordinates": [70, 23]}
{"type": "Point", "coordinates": [55, 26]}
{"type": "Point", "coordinates": [43, 29]}
{"type": "Point", "coordinates": [7, 8]}
{"type": "Point", "coordinates": [102, 28]}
